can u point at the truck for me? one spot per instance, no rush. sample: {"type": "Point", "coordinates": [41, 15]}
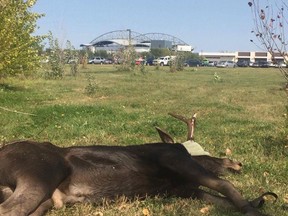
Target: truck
{"type": "Point", "coordinates": [163, 61]}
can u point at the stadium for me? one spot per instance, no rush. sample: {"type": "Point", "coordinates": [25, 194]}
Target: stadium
{"type": "Point", "coordinates": [115, 40]}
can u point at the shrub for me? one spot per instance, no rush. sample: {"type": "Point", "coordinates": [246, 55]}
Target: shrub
{"type": "Point", "coordinates": [91, 88]}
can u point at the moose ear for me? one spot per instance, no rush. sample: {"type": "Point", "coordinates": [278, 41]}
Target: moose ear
{"type": "Point", "coordinates": [165, 137]}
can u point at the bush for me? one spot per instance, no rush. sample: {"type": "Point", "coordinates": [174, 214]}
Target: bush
{"type": "Point", "coordinates": [127, 59]}
{"type": "Point", "coordinates": [91, 88]}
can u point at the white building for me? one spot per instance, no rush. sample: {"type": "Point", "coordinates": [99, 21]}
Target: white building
{"type": "Point", "coordinates": [185, 48]}
{"type": "Point", "coordinates": [218, 56]}
{"type": "Point", "coordinates": [236, 56]}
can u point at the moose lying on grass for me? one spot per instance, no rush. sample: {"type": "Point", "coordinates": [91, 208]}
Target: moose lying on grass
{"type": "Point", "coordinates": [36, 176]}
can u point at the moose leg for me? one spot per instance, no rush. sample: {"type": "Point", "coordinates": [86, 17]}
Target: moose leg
{"type": "Point", "coordinates": [33, 187]}
{"type": "Point", "coordinates": [213, 199]}
{"type": "Point", "coordinates": [189, 191]}
{"type": "Point", "coordinates": [34, 170]}
{"type": "Point", "coordinates": [43, 208]}
{"type": "Point", "coordinates": [25, 199]}
{"type": "Point", "coordinates": [226, 203]}
{"type": "Point", "coordinates": [5, 193]}
{"type": "Point", "coordinates": [228, 190]}
{"type": "Point", "coordinates": [195, 174]}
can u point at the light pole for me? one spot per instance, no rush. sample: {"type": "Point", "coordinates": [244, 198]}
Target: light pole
{"type": "Point", "coordinates": [129, 36]}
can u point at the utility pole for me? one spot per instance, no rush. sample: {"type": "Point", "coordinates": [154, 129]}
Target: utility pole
{"type": "Point", "coordinates": [129, 36]}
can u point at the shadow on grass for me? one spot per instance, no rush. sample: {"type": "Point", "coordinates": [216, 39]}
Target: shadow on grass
{"type": "Point", "coordinates": [103, 72]}
{"type": "Point", "coordinates": [8, 87]}
{"type": "Point", "coordinates": [276, 146]}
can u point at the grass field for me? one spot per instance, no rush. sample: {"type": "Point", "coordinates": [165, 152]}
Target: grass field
{"type": "Point", "coordinates": [242, 109]}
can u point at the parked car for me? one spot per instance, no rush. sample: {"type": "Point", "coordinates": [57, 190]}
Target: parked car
{"type": "Point", "coordinates": [108, 61]}
{"type": "Point", "coordinates": [207, 63]}
{"type": "Point", "coordinates": [262, 64]}
{"type": "Point", "coordinates": [139, 61]}
{"type": "Point", "coordinates": [243, 63]}
{"type": "Point", "coordinates": [91, 61]}
{"type": "Point", "coordinates": [97, 60]}
{"type": "Point", "coordinates": [149, 61]}
{"type": "Point", "coordinates": [255, 64]}
{"type": "Point", "coordinates": [193, 63]}
{"type": "Point", "coordinates": [281, 65]}
{"type": "Point", "coordinates": [212, 63]}
{"type": "Point", "coordinates": [163, 61]}
{"type": "Point", "coordinates": [226, 64]}
{"type": "Point", "coordinates": [72, 61]}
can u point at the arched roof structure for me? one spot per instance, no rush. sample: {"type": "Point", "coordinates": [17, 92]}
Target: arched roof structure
{"type": "Point", "coordinates": [162, 36]}
{"type": "Point", "coordinates": [114, 40]}
{"type": "Point", "coordinates": [120, 37]}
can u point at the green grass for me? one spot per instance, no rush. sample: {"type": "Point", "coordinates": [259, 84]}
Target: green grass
{"type": "Point", "coordinates": [243, 111]}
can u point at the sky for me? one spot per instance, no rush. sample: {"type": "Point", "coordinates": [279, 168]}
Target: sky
{"type": "Point", "coordinates": [206, 25]}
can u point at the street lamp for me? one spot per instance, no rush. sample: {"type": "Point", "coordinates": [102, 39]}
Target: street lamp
{"type": "Point", "coordinates": [129, 36]}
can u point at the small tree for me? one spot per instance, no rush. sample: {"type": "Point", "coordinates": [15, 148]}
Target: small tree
{"type": "Point", "coordinates": [270, 28]}
{"type": "Point", "coordinates": [126, 57]}
{"type": "Point", "coordinates": [72, 57]}
{"type": "Point", "coordinates": [18, 47]}
{"type": "Point", "coordinates": [56, 59]}
{"type": "Point", "coordinates": [180, 59]}
{"type": "Point", "coordinates": [83, 58]}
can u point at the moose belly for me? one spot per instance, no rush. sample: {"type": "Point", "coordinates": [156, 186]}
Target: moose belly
{"type": "Point", "coordinates": [110, 185]}
{"type": "Point", "coordinates": [112, 182]}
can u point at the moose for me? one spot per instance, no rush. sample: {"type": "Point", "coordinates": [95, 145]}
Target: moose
{"type": "Point", "coordinates": [36, 176]}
